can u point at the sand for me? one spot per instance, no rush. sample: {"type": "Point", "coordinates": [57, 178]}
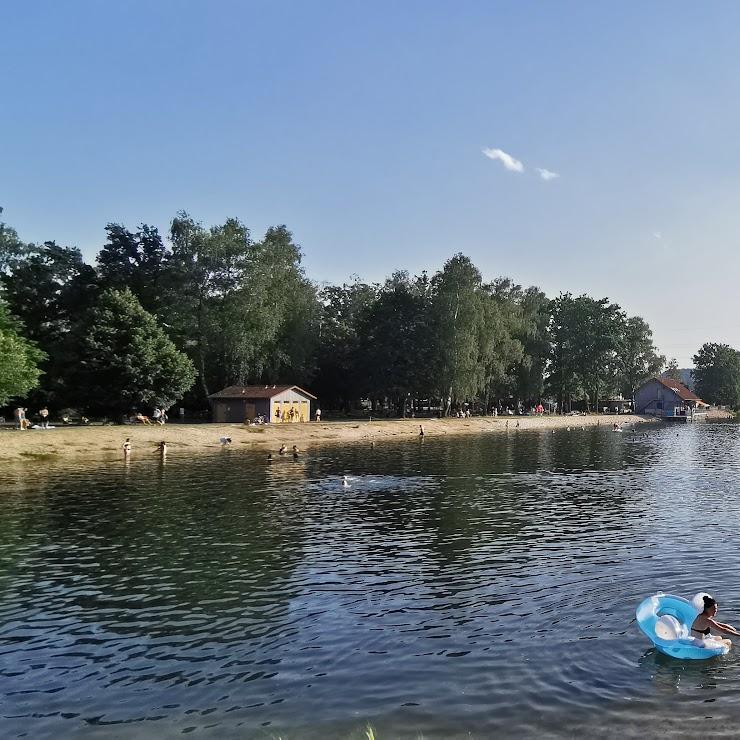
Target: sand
{"type": "Point", "coordinates": [105, 442]}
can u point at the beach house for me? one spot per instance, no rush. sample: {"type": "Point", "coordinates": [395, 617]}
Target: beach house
{"type": "Point", "coordinates": [276, 403]}
{"type": "Point", "coordinates": [669, 399]}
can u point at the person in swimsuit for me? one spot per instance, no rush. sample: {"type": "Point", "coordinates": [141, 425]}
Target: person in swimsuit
{"type": "Point", "coordinates": [705, 622]}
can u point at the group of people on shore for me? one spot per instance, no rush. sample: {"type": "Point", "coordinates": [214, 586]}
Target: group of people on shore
{"type": "Point", "coordinates": [22, 421]}
{"type": "Point", "coordinates": [43, 418]}
{"type": "Point", "coordinates": [159, 416]}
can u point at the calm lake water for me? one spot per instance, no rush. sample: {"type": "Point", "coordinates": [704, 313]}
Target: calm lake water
{"type": "Point", "coordinates": [470, 587]}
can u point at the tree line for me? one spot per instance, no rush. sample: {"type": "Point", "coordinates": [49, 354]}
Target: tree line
{"type": "Point", "coordinates": [163, 319]}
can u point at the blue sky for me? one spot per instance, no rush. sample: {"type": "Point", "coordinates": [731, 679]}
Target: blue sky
{"type": "Point", "coordinates": [362, 126]}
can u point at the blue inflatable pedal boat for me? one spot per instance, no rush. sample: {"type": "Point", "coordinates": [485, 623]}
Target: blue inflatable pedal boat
{"type": "Point", "coordinates": [667, 621]}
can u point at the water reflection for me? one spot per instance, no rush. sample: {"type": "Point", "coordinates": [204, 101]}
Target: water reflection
{"type": "Point", "coordinates": [235, 595]}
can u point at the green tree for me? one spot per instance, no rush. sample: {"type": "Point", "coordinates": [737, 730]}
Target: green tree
{"type": "Point", "coordinates": [292, 353]}
{"type": "Point", "coordinates": [125, 358]}
{"type": "Point", "coordinates": [271, 315]}
{"type": "Point", "coordinates": [563, 379]}
{"type": "Point", "coordinates": [341, 379]}
{"type": "Point", "coordinates": [586, 336]}
{"type": "Point", "coordinates": [598, 345]}
{"type": "Point", "coordinates": [638, 358]}
{"type": "Point", "coordinates": [134, 260]}
{"type": "Point", "coordinates": [500, 349]}
{"type": "Point", "coordinates": [456, 315]}
{"type": "Point", "coordinates": [717, 374]}
{"type": "Point", "coordinates": [19, 359]}
{"type": "Point", "coordinates": [395, 353]}
{"type": "Point", "coordinates": [672, 371]}
{"type": "Point", "coordinates": [47, 288]}
{"type": "Point", "coordinates": [204, 270]}
{"type": "Point", "coordinates": [532, 333]}
{"type": "Point", "coordinates": [11, 247]}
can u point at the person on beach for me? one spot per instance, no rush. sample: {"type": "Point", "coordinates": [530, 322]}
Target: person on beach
{"type": "Point", "coordinates": [155, 415]}
{"type": "Point", "coordinates": [44, 416]}
{"type": "Point", "coordinates": [225, 441]}
{"type": "Point", "coordinates": [705, 623]}
{"type": "Point", "coordinates": [421, 431]}
{"type": "Point", "coordinates": [20, 418]}
{"type": "Point", "coordinates": [161, 448]}
{"type": "Point", "coordinates": [127, 447]}
{"type": "Point", "coordinates": [318, 415]}
{"type": "Point", "coordinates": [283, 449]}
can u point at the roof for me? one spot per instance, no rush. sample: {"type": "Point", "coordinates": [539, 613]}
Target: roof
{"type": "Point", "coordinates": [680, 390]}
{"type": "Point", "coordinates": [257, 391]}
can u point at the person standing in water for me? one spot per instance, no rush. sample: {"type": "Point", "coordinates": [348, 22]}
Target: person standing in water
{"type": "Point", "coordinates": [127, 447]}
{"type": "Point", "coordinates": [705, 622]}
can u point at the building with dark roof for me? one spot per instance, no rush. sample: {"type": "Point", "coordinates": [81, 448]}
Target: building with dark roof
{"type": "Point", "coordinates": [668, 399]}
{"type": "Point", "coordinates": [276, 403]}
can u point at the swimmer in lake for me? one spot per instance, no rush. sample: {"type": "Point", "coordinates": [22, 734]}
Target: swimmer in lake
{"type": "Point", "coordinates": [705, 623]}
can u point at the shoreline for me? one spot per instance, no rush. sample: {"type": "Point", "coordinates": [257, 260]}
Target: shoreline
{"type": "Point", "coordinates": [105, 442]}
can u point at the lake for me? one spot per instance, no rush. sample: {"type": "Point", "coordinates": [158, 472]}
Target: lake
{"type": "Point", "coordinates": [467, 587]}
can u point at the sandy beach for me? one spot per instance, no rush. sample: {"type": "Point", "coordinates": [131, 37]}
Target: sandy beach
{"type": "Point", "coordinates": [104, 442]}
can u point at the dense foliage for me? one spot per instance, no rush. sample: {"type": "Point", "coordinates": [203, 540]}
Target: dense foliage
{"type": "Point", "coordinates": [163, 318]}
{"type": "Point", "coordinates": [19, 359]}
{"type": "Point", "coordinates": [717, 374]}
{"type": "Point", "coordinates": [125, 360]}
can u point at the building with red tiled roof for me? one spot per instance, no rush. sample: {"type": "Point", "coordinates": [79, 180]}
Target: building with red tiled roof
{"type": "Point", "coordinates": [668, 399]}
{"type": "Point", "coordinates": [275, 403]}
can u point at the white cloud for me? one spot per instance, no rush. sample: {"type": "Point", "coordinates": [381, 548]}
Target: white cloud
{"type": "Point", "coordinates": [546, 174]}
{"type": "Point", "coordinates": [511, 164]}
{"type": "Point", "coordinates": [658, 234]}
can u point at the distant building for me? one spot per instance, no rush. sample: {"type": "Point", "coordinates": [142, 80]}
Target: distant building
{"type": "Point", "coordinates": [669, 399]}
{"type": "Point", "coordinates": [687, 377]}
{"type": "Point", "coordinates": [276, 403]}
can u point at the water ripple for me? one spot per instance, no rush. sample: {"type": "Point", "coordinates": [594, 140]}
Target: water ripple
{"type": "Point", "coordinates": [455, 588]}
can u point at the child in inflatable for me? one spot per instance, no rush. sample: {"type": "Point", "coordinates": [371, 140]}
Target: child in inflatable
{"type": "Point", "coordinates": [705, 622]}
{"type": "Point", "coordinates": [682, 628]}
